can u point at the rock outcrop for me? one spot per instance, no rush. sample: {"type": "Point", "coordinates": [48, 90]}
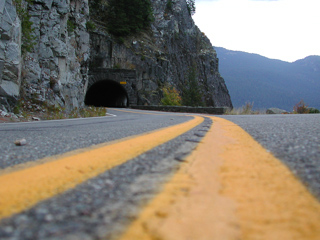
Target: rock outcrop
{"type": "Point", "coordinates": [10, 54]}
{"type": "Point", "coordinates": [56, 70]}
{"type": "Point", "coordinates": [164, 54]}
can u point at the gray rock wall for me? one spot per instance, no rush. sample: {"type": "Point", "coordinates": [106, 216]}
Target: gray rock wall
{"type": "Point", "coordinates": [187, 47]}
{"type": "Point", "coordinates": [10, 55]}
{"type": "Point", "coordinates": [56, 70]}
{"type": "Point", "coordinates": [164, 54]}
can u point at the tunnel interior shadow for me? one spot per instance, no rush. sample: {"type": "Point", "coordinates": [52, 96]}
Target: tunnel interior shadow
{"type": "Point", "coordinates": [107, 93]}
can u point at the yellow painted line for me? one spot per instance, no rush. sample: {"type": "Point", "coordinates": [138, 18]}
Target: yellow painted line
{"type": "Point", "coordinates": [230, 188]}
{"type": "Point", "coordinates": [24, 188]}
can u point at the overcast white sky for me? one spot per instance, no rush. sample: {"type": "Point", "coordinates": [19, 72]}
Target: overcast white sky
{"type": "Point", "coordinates": [281, 29]}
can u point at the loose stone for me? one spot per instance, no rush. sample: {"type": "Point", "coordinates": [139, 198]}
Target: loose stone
{"type": "Point", "coordinates": [20, 142]}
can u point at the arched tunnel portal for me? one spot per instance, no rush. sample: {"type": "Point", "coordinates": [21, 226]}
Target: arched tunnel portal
{"type": "Point", "coordinates": [107, 93]}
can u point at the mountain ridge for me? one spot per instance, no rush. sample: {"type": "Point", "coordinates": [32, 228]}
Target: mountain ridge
{"type": "Point", "coordinates": [269, 82]}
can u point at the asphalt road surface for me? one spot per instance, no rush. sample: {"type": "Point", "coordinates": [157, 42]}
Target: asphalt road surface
{"type": "Point", "coordinates": [103, 206]}
{"type": "Point", "coordinates": [295, 139]}
{"type": "Point", "coordinates": [48, 138]}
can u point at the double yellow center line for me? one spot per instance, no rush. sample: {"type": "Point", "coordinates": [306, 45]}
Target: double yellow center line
{"type": "Point", "coordinates": [21, 189]}
{"type": "Point", "coordinates": [229, 188]}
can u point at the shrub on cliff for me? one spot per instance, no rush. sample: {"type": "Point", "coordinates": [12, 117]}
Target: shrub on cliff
{"type": "Point", "coordinates": [125, 17]}
{"type": "Point", "coordinates": [171, 96]}
{"type": "Point", "coordinates": [27, 38]}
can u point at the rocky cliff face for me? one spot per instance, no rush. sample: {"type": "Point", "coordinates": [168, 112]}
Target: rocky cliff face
{"type": "Point", "coordinates": [56, 71]}
{"type": "Point", "coordinates": [185, 46]}
{"type": "Point", "coordinates": [10, 54]}
{"type": "Point", "coordinates": [164, 54]}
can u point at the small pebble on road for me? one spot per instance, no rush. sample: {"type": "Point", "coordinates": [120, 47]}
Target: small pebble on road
{"type": "Point", "coordinates": [20, 142]}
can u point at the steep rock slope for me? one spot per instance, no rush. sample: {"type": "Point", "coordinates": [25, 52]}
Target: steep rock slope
{"type": "Point", "coordinates": [56, 70]}
{"type": "Point", "coordinates": [10, 53]}
{"type": "Point", "coordinates": [163, 54]}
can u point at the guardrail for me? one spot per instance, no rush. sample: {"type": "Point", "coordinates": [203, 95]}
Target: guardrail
{"type": "Point", "coordinates": [186, 109]}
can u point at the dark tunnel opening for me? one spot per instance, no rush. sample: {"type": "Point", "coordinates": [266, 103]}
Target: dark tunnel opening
{"type": "Point", "coordinates": [107, 93]}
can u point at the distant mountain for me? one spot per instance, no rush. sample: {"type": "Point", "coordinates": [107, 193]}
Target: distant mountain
{"type": "Point", "coordinates": [269, 82]}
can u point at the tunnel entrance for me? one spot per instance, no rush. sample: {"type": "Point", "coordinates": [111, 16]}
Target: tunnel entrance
{"type": "Point", "coordinates": [107, 93]}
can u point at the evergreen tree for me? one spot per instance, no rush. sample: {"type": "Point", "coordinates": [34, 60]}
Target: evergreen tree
{"type": "Point", "coordinates": [125, 17]}
{"type": "Point", "coordinates": [191, 93]}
